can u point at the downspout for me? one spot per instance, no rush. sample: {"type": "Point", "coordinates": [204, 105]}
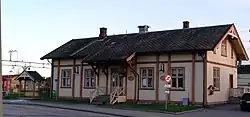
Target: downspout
{"type": "Point", "coordinates": [51, 78]}
{"type": "Point", "coordinates": [204, 58]}
{"type": "Point", "coordinates": [81, 79]}
{"type": "Point", "coordinates": [136, 82]}
{"type": "Point", "coordinates": [49, 61]}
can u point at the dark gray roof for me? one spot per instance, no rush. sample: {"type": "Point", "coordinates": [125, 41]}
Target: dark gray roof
{"type": "Point", "coordinates": [244, 69]}
{"type": "Point", "coordinates": [68, 48]}
{"type": "Point", "coordinates": [119, 47]}
{"type": "Point", "coordinates": [35, 75]}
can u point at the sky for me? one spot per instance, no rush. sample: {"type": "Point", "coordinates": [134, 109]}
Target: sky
{"type": "Point", "coordinates": [36, 27]}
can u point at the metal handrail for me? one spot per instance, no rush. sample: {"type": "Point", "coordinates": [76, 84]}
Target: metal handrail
{"type": "Point", "coordinates": [95, 93]}
{"type": "Point", "coordinates": [115, 93]}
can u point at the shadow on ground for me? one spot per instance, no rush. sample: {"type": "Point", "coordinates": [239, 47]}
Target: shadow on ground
{"type": "Point", "coordinates": [228, 107]}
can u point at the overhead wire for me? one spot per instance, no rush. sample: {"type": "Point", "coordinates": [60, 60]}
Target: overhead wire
{"type": "Point", "coordinates": [27, 66]}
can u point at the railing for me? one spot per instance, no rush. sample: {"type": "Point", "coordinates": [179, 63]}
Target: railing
{"type": "Point", "coordinates": [98, 91]}
{"type": "Point", "coordinates": [115, 93]}
{"type": "Point", "coordinates": [238, 92]}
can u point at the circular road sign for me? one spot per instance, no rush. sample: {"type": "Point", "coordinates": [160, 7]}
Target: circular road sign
{"type": "Point", "coordinates": [168, 78]}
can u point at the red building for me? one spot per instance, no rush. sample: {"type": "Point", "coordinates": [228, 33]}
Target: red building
{"type": "Point", "coordinates": [7, 80]}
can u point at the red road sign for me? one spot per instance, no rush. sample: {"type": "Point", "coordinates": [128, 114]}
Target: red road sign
{"type": "Point", "coordinates": [168, 78]}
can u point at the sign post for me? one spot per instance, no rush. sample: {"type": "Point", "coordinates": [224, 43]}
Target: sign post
{"type": "Point", "coordinates": [167, 86]}
{"type": "Point", "coordinates": [1, 103]}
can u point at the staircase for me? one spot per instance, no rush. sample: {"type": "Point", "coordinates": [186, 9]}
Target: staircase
{"type": "Point", "coordinates": [117, 95]}
{"type": "Point", "coordinates": [100, 100]}
{"type": "Point", "coordinates": [99, 97]}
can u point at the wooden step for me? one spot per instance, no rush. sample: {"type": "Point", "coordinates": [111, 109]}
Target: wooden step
{"type": "Point", "coordinates": [102, 99]}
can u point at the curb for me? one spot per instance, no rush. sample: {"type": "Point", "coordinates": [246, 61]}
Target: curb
{"type": "Point", "coordinates": [83, 110]}
{"type": "Point", "coordinates": [184, 112]}
{"type": "Point", "coordinates": [140, 110]}
{"type": "Point", "coordinates": [155, 111]}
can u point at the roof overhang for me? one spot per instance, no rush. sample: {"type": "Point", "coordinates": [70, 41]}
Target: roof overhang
{"type": "Point", "coordinates": [108, 62]}
{"type": "Point", "coordinates": [24, 74]}
{"type": "Point", "coordinates": [236, 42]}
{"type": "Point", "coordinates": [130, 56]}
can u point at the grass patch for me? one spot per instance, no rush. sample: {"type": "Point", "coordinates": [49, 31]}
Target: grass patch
{"type": "Point", "coordinates": [12, 96]}
{"type": "Point", "coordinates": [155, 107]}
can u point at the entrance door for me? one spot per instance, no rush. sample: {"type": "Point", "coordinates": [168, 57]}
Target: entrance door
{"type": "Point", "coordinates": [117, 80]}
{"type": "Point", "coordinates": [231, 81]}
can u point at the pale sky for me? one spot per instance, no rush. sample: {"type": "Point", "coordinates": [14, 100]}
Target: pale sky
{"type": "Point", "coordinates": [36, 27]}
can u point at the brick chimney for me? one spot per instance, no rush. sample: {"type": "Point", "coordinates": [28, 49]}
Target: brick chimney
{"type": "Point", "coordinates": [103, 33]}
{"type": "Point", "coordinates": [185, 24]}
{"type": "Point", "coordinates": [143, 29]}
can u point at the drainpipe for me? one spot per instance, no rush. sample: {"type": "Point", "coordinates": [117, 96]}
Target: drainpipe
{"type": "Point", "coordinates": [81, 79]}
{"type": "Point", "coordinates": [203, 56]}
{"type": "Point", "coordinates": [51, 78]}
{"type": "Point", "coordinates": [136, 83]}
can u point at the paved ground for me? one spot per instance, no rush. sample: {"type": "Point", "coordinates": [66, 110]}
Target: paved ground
{"type": "Point", "coordinates": [33, 111]}
{"type": "Point", "coordinates": [37, 111]}
{"type": "Point", "coordinates": [228, 110]}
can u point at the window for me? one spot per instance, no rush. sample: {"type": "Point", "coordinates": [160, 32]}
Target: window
{"type": "Point", "coordinates": [178, 78]}
{"type": "Point", "coordinates": [89, 78]}
{"type": "Point", "coordinates": [216, 78]}
{"type": "Point", "coordinates": [66, 77]}
{"type": "Point", "coordinates": [232, 52]}
{"type": "Point", "coordinates": [224, 48]}
{"type": "Point", "coordinates": [147, 75]}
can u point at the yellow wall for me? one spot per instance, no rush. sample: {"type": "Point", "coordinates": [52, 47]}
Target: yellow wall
{"type": "Point", "coordinates": [175, 95]}
{"type": "Point", "coordinates": [144, 94]}
{"type": "Point", "coordinates": [151, 94]}
{"type": "Point", "coordinates": [221, 59]}
{"type": "Point", "coordinates": [225, 71]}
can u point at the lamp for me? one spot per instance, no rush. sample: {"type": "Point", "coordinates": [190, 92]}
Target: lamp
{"type": "Point", "coordinates": [76, 70]}
{"type": "Point", "coordinates": [162, 67]}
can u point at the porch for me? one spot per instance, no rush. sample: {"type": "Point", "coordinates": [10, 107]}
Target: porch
{"type": "Point", "coordinates": [116, 76]}
{"type": "Point", "coordinates": [236, 93]}
{"type": "Point", "coordinates": [31, 81]}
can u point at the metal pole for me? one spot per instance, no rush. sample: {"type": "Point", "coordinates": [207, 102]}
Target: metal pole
{"type": "Point", "coordinates": [167, 92]}
{"type": "Point", "coordinates": [10, 51]}
{"type": "Point", "coordinates": [166, 103]}
{"type": "Point", "coordinates": [1, 102]}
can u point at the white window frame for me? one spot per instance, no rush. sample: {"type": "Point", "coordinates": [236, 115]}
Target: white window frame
{"type": "Point", "coordinates": [66, 75]}
{"type": "Point", "coordinates": [224, 48]}
{"type": "Point", "coordinates": [232, 52]}
{"type": "Point", "coordinates": [216, 78]}
{"type": "Point", "coordinates": [177, 77]}
{"type": "Point", "coordinates": [89, 79]}
{"type": "Point", "coordinates": [145, 78]}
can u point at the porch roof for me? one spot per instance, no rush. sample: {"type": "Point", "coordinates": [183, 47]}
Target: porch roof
{"type": "Point", "coordinates": [32, 75]}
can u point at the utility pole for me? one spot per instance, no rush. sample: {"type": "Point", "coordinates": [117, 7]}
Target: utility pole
{"type": "Point", "coordinates": [11, 51]}
{"type": "Point", "coordinates": [1, 102]}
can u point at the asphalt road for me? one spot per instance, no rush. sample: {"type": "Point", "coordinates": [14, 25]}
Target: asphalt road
{"type": "Point", "coordinates": [228, 110]}
{"type": "Point", "coordinates": [37, 111]}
